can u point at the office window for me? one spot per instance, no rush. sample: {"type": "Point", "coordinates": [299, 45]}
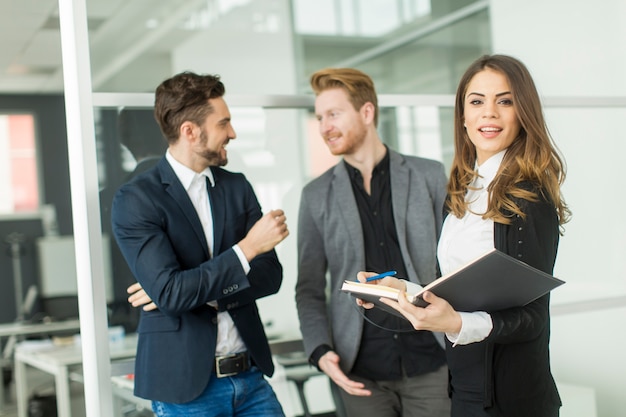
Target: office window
{"type": "Point", "coordinates": [19, 189]}
{"type": "Point", "coordinates": [368, 18]}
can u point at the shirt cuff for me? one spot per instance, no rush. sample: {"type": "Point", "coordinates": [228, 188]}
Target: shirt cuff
{"type": "Point", "coordinates": [242, 259]}
{"type": "Point", "coordinates": [411, 287]}
{"type": "Point", "coordinates": [317, 354]}
{"type": "Point", "coordinates": [475, 327]}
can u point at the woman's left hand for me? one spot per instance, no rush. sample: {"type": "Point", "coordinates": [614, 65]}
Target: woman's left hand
{"type": "Point", "coordinates": [438, 316]}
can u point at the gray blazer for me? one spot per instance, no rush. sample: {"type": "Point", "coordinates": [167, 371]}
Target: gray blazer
{"type": "Point", "coordinates": [330, 239]}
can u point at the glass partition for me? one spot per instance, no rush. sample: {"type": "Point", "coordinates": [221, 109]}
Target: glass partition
{"type": "Point", "coordinates": [407, 46]}
{"type": "Point", "coordinates": [279, 149]}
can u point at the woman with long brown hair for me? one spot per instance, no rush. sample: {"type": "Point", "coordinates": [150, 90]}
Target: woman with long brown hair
{"type": "Point", "coordinates": [503, 193]}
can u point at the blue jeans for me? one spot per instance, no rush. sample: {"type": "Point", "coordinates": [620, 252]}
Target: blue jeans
{"type": "Point", "coordinates": [246, 394]}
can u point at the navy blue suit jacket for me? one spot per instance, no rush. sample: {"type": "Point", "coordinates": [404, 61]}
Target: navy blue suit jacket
{"type": "Point", "coordinates": [160, 235]}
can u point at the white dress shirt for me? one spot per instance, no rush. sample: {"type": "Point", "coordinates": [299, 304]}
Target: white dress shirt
{"type": "Point", "coordinates": [228, 338]}
{"type": "Point", "coordinates": [467, 238]}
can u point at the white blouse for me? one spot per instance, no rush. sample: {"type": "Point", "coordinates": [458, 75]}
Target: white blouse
{"type": "Point", "coordinates": [464, 239]}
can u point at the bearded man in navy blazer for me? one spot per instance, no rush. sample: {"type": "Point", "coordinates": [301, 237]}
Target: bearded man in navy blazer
{"type": "Point", "coordinates": [195, 238]}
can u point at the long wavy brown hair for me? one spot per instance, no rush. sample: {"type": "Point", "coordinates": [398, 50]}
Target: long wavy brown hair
{"type": "Point", "coordinates": [532, 163]}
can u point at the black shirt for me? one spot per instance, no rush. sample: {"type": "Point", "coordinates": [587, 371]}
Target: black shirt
{"type": "Point", "coordinates": [390, 348]}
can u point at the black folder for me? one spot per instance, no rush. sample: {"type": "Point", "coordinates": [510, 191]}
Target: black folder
{"type": "Point", "coordinates": [491, 282]}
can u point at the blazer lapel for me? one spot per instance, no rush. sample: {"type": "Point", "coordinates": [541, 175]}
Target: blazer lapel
{"type": "Point", "coordinates": [400, 180]}
{"type": "Point", "coordinates": [175, 189]}
{"type": "Point", "coordinates": [399, 192]}
{"type": "Point", "coordinates": [344, 197]}
{"type": "Point", "coordinates": [218, 212]}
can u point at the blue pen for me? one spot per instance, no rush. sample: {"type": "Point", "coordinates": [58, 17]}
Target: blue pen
{"type": "Point", "coordinates": [380, 276]}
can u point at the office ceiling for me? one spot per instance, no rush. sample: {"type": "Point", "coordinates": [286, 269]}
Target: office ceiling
{"type": "Point", "coordinates": [120, 32]}
{"type": "Point", "coordinates": [30, 58]}
{"type": "Point", "coordinates": [131, 40]}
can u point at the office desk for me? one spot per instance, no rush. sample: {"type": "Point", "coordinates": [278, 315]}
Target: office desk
{"type": "Point", "coordinates": [18, 330]}
{"type": "Point", "coordinates": [289, 353]}
{"type": "Point", "coordinates": [14, 330]}
{"type": "Point", "coordinates": [122, 389]}
{"type": "Point", "coordinates": [24, 329]}
{"type": "Point", "coordinates": [58, 361]}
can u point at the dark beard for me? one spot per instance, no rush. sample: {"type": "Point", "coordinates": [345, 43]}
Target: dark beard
{"type": "Point", "coordinates": [214, 159]}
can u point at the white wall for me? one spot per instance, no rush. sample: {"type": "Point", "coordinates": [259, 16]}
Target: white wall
{"type": "Point", "coordinates": [576, 48]}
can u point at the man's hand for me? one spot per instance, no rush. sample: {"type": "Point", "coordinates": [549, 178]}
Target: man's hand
{"type": "Point", "coordinates": [139, 297]}
{"type": "Point", "coordinates": [266, 233]}
{"type": "Point", "coordinates": [392, 282]}
{"type": "Point", "coordinates": [329, 364]}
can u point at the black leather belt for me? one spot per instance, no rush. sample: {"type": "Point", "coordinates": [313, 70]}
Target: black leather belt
{"type": "Point", "coordinates": [230, 365]}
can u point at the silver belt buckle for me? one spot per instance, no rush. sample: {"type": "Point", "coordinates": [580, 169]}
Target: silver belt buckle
{"type": "Point", "coordinates": [218, 360]}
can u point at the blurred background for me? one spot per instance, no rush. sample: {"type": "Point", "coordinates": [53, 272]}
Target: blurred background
{"type": "Point", "coordinates": [265, 51]}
